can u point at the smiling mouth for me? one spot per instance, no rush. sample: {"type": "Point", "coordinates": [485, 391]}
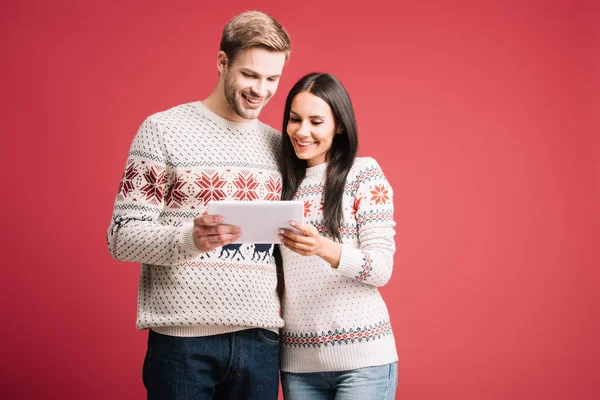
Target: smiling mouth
{"type": "Point", "coordinates": [304, 144]}
{"type": "Point", "coordinates": [253, 101]}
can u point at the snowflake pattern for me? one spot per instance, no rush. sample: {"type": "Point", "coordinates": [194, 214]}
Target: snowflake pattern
{"type": "Point", "coordinates": [307, 208]}
{"type": "Point", "coordinates": [354, 208]}
{"type": "Point", "coordinates": [211, 186]}
{"type": "Point", "coordinates": [175, 196]}
{"type": "Point", "coordinates": [129, 175]}
{"type": "Point", "coordinates": [380, 194]}
{"type": "Point", "coordinates": [273, 187]}
{"type": "Point", "coordinates": [155, 179]}
{"type": "Point", "coordinates": [246, 186]}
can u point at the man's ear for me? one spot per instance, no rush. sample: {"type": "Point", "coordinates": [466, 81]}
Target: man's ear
{"type": "Point", "coordinates": [222, 61]}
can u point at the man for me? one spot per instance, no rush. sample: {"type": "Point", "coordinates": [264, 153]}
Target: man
{"type": "Point", "coordinates": [212, 310]}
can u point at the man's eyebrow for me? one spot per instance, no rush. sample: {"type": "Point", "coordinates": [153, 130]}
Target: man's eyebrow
{"type": "Point", "coordinates": [253, 72]}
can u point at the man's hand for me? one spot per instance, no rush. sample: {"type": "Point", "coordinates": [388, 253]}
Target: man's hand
{"type": "Point", "coordinates": [210, 233]}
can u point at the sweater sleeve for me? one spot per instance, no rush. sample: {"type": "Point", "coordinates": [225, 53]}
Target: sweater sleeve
{"type": "Point", "coordinates": [135, 233]}
{"type": "Point", "coordinates": [371, 263]}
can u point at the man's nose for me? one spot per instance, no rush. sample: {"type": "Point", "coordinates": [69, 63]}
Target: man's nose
{"type": "Point", "coordinates": [260, 89]}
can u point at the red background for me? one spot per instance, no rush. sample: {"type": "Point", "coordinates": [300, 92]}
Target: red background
{"type": "Point", "coordinates": [483, 115]}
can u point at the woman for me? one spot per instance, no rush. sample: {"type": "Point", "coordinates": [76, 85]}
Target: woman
{"type": "Point", "coordinates": [337, 342]}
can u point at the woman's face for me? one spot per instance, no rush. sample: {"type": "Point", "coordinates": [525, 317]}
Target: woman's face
{"type": "Point", "coordinates": [311, 128]}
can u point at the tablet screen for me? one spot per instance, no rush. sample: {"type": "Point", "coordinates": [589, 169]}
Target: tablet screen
{"type": "Point", "coordinates": [260, 221]}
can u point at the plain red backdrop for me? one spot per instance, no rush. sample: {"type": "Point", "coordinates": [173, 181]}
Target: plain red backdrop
{"type": "Point", "coordinates": [483, 115]}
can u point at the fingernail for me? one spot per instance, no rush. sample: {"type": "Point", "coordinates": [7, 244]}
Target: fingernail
{"type": "Point", "coordinates": [281, 231]}
{"type": "Point", "coordinates": [292, 223]}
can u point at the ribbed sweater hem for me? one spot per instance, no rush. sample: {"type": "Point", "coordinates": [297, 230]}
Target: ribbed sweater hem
{"type": "Point", "coordinates": [196, 331]}
{"type": "Point", "coordinates": [339, 357]}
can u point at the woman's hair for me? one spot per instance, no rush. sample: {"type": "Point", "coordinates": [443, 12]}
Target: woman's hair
{"type": "Point", "coordinates": [251, 29]}
{"type": "Point", "coordinates": [340, 156]}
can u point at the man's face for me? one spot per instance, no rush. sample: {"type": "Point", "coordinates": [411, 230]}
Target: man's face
{"type": "Point", "coordinates": [251, 80]}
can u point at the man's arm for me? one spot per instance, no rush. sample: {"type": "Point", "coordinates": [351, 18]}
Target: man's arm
{"type": "Point", "coordinates": [135, 234]}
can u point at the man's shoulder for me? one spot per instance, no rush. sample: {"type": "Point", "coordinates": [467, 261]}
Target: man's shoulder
{"type": "Point", "coordinates": [173, 112]}
{"type": "Point", "coordinates": [268, 129]}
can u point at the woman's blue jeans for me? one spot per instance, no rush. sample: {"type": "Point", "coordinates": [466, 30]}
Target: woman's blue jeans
{"type": "Point", "coordinates": [371, 383]}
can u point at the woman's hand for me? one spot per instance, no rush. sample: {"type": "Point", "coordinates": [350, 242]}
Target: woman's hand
{"type": "Point", "coordinates": [309, 242]}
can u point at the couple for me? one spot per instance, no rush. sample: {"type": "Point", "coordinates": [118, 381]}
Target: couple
{"type": "Point", "coordinates": [216, 329]}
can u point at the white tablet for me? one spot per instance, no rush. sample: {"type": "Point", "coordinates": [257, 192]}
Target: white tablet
{"type": "Point", "coordinates": [260, 221]}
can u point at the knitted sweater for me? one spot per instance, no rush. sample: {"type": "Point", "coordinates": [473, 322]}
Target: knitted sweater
{"type": "Point", "coordinates": [335, 319]}
{"type": "Point", "coordinates": [180, 160]}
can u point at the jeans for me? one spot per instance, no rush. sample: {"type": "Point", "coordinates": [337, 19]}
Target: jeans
{"type": "Point", "coordinates": [237, 365]}
{"type": "Point", "coordinates": [371, 383]}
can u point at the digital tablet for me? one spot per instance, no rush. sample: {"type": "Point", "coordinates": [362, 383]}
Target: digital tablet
{"type": "Point", "coordinates": [260, 221]}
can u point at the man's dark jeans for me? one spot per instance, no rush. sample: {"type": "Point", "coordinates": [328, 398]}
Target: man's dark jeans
{"type": "Point", "coordinates": [238, 365]}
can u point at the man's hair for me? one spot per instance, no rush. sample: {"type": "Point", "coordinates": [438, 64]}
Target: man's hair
{"type": "Point", "coordinates": [251, 29]}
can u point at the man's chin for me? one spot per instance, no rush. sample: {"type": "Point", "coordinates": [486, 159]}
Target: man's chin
{"type": "Point", "coordinates": [250, 114]}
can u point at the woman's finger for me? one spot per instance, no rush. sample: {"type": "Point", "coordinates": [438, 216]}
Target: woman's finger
{"type": "Point", "coordinates": [295, 236]}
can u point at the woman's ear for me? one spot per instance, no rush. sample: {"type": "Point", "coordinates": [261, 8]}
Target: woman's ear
{"type": "Point", "coordinates": [339, 129]}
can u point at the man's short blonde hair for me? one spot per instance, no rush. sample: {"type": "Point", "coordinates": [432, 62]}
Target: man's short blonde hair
{"type": "Point", "coordinates": [254, 28]}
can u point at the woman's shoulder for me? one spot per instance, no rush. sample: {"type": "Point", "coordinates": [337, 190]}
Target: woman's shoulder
{"type": "Point", "coordinates": [364, 165]}
{"type": "Point", "coordinates": [365, 173]}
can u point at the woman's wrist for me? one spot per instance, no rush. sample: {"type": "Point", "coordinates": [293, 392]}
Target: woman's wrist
{"type": "Point", "coordinates": [331, 252]}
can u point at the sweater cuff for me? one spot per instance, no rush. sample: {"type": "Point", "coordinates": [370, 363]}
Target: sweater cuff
{"type": "Point", "coordinates": [352, 262]}
{"type": "Point", "coordinates": [186, 239]}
